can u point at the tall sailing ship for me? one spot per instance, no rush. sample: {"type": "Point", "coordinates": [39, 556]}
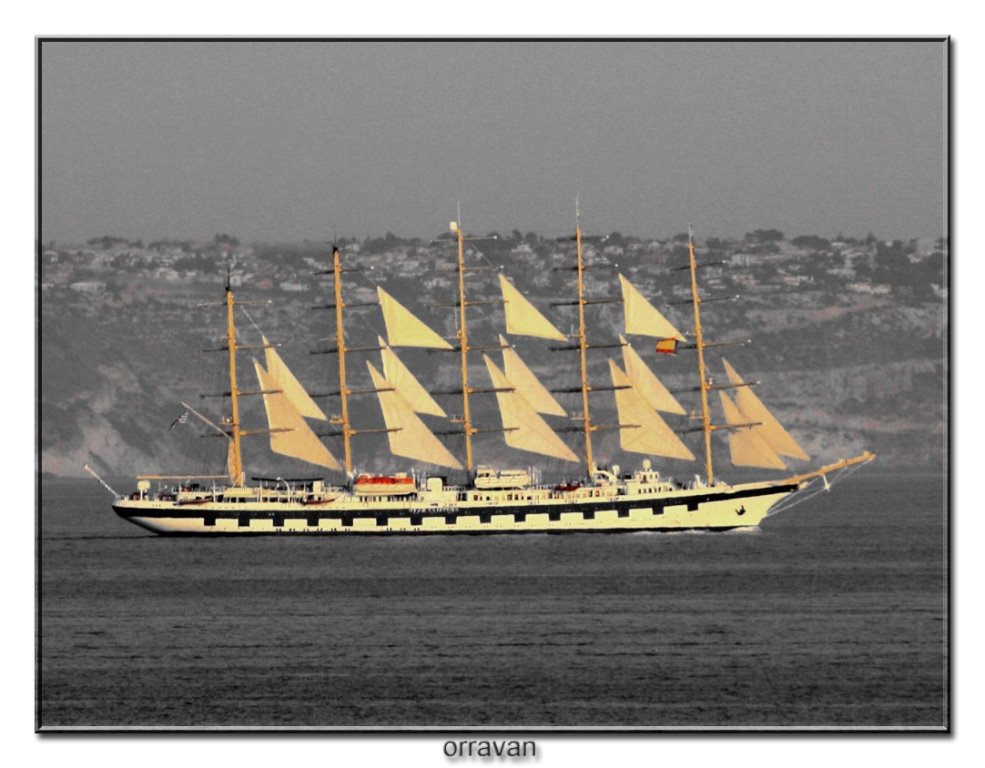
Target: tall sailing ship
{"type": "Point", "coordinates": [487, 498]}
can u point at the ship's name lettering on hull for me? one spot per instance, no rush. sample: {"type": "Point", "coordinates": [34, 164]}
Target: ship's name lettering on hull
{"type": "Point", "coordinates": [463, 749]}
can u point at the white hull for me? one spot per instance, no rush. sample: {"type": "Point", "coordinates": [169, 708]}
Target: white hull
{"type": "Point", "coordinates": [444, 512]}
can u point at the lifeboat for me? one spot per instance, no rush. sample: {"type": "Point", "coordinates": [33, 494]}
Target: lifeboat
{"type": "Point", "coordinates": [567, 487]}
{"type": "Point", "coordinates": [488, 477]}
{"type": "Point", "coordinates": [316, 500]}
{"type": "Point", "coordinates": [384, 485]}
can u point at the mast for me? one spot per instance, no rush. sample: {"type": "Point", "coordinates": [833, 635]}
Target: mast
{"type": "Point", "coordinates": [464, 345]}
{"type": "Point", "coordinates": [235, 458]}
{"type": "Point", "coordinates": [340, 343]}
{"type": "Point", "coordinates": [696, 301]}
{"type": "Point", "coordinates": [583, 347]}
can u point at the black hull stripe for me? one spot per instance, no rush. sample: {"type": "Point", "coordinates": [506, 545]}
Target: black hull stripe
{"type": "Point", "coordinates": [418, 532]}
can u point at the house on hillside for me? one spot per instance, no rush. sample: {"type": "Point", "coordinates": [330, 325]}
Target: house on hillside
{"type": "Point", "coordinates": [90, 286]}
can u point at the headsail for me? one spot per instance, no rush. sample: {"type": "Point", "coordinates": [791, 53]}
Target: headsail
{"type": "Point", "coordinates": [402, 380]}
{"type": "Point", "coordinates": [771, 431]}
{"type": "Point", "coordinates": [403, 329]}
{"type": "Point", "coordinates": [646, 382]}
{"type": "Point", "coordinates": [294, 437]}
{"type": "Point", "coordinates": [642, 317]}
{"type": "Point", "coordinates": [646, 432]}
{"type": "Point", "coordinates": [522, 317]}
{"type": "Point", "coordinates": [526, 430]}
{"type": "Point", "coordinates": [747, 446]}
{"type": "Point", "coordinates": [286, 381]}
{"type": "Point", "coordinates": [527, 384]}
{"type": "Point", "coordinates": [411, 438]}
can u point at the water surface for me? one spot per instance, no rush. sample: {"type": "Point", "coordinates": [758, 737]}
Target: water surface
{"type": "Point", "coordinates": [832, 614]}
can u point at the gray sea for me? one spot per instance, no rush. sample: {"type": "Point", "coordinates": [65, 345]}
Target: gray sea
{"type": "Point", "coordinates": [831, 614]}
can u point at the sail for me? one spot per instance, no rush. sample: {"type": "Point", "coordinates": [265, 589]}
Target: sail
{"type": "Point", "coordinates": [649, 434]}
{"type": "Point", "coordinates": [412, 439]}
{"type": "Point", "coordinates": [522, 317]}
{"type": "Point", "coordinates": [646, 382]}
{"type": "Point", "coordinates": [231, 462]}
{"type": "Point", "coordinates": [642, 317]}
{"type": "Point", "coordinates": [771, 431]}
{"type": "Point", "coordinates": [527, 384]}
{"type": "Point", "coordinates": [403, 329]}
{"type": "Point", "coordinates": [402, 380]}
{"type": "Point", "coordinates": [299, 442]}
{"type": "Point", "coordinates": [747, 446]}
{"type": "Point", "coordinates": [284, 380]}
{"type": "Point", "coordinates": [527, 431]}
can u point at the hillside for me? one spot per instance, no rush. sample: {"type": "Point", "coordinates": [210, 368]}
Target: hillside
{"type": "Point", "coordinates": [849, 338]}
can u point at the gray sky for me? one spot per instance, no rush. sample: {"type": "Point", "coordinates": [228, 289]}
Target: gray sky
{"type": "Point", "coordinates": [286, 141]}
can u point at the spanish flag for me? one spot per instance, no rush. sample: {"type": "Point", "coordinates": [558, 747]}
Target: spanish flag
{"type": "Point", "coordinates": [667, 346]}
